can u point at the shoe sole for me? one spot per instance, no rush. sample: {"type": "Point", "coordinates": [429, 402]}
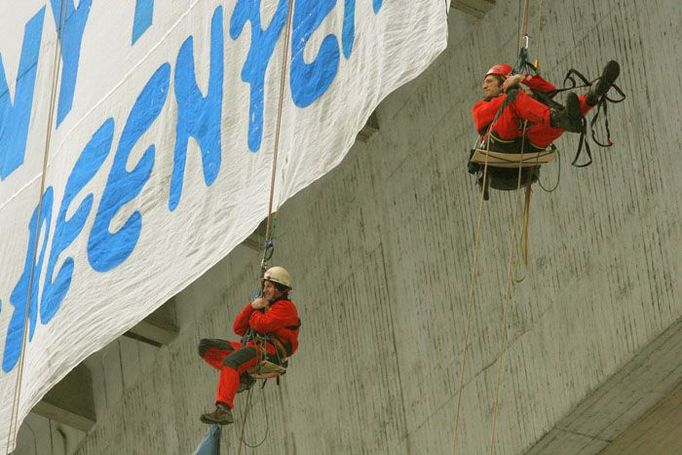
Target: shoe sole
{"type": "Point", "coordinates": [611, 72]}
{"type": "Point", "coordinates": [608, 77]}
{"type": "Point", "coordinates": [211, 422]}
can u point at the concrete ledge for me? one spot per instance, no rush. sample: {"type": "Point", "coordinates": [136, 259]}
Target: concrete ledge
{"type": "Point", "coordinates": [476, 8]}
{"type": "Point", "coordinates": [70, 402]}
{"type": "Point", "coordinates": [158, 328]}
{"type": "Point", "coordinates": [618, 410]}
{"type": "Point", "coordinates": [371, 127]}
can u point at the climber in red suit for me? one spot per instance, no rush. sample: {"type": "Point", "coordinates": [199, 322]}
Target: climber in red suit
{"type": "Point", "coordinates": [545, 124]}
{"type": "Point", "coordinates": [274, 316]}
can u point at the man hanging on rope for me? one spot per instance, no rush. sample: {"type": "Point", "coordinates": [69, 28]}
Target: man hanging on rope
{"type": "Point", "coordinates": [509, 100]}
{"type": "Point", "coordinates": [272, 318]}
{"type": "Point", "coordinates": [522, 103]}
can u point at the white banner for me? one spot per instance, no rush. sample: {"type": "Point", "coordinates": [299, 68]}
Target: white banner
{"type": "Point", "coordinates": [136, 145]}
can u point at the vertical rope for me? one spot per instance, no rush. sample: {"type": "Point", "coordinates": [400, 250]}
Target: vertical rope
{"type": "Point", "coordinates": [278, 127]}
{"type": "Point", "coordinates": [472, 290]}
{"type": "Point", "coordinates": [56, 65]}
{"type": "Point", "coordinates": [524, 28]}
{"type": "Point", "coordinates": [507, 297]}
{"type": "Point", "coordinates": [247, 408]}
{"type": "Point", "coordinates": [536, 63]}
{"type": "Point", "coordinates": [273, 176]}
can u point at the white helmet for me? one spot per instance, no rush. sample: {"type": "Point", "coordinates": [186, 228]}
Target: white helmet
{"type": "Point", "coordinates": [278, 275]}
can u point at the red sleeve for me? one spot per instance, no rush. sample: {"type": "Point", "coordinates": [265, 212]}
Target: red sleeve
{"type": "Point", "coordinates": [241, 322]}
{"type": "Point", "coordinates": [280, 315]}
{"type": "Point", "coordinates": [539, 84]}
{"type": "Point", "coordinates": [484, 112]}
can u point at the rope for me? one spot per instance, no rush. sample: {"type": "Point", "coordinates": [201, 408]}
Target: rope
{"type": "Point", "coordinates": [472, 288]}
{"type": "Point", "coordinates": [523, 54]}
{"type": "Point", "coordinates": [246, 416]}
{"type": "Point", "coordinates": [558, 178]}
{"type": "Point", "coordinates": [56, 65]}
{"type": "Point", "coordinates": [523, 243]}
{"type": "Point", "coordinates": [268, 247]}
{"type": "Point", "coordinates": [278, 127]}
{"type": "Point", "coordinates": [536, 63]}
{"type": "Point", "coordinates": [247, 410]}
{"type": "Point", "coordinates": [523, 37]}
{"type": "Point", "coordinates": [507, 299]}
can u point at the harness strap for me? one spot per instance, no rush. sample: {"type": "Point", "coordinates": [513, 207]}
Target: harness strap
{"type": "Point", "coordinates": [282, 351]}
{"type": "Point", "coordinates": [602, 105]}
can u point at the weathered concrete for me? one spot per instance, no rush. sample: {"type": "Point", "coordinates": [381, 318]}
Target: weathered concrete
{"type": "Point", "coordinates": [381, 252]}
{"type": "Point", "coordinates": [633, 410]}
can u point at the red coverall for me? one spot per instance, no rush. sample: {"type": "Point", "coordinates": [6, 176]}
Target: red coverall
{"type": "Point", "coordinates": [280, 320]}
{"type": "Point", "coordinates": [509, 125]}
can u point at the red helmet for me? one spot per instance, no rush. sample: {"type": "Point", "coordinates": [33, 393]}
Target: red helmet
{"type": "Point", "coordinates": [502, 69]}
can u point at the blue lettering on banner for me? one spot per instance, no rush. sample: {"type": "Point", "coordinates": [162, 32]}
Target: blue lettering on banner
{"type": "Point", "coordinates": [144, 13]}
{"type": "Point", "coordinates": [262, 46]}
{"type": "Point", "coordinates": [198, 117]}
{"type": "Point", "coordinates": [106, 250]}
{"type": "Point", "coordinates": [309, 81]}
{"type": "Point", "coordinates": [89, 162]}
{"type": "Point", "coordinates": [348, 33]}
{"type": "Point", "coordinates": [19, 296]}
{"type": "Point", "coordinates": [14, 119]}
{"type": "Point", "coordinates": [70, 39]}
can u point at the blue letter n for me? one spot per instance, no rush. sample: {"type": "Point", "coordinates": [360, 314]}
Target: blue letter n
{"type": "Point", "coordinates": [198, 116]}
{"type": "Point", "coordinates": [14, 119]}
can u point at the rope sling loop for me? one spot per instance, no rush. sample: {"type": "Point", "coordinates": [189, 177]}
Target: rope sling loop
{"type": "Point", "coordinates": [56, 66]}
{"type": "Point", "coordinates": [268, 246]}
{"type": "Point", "coordinates": [246, 412]}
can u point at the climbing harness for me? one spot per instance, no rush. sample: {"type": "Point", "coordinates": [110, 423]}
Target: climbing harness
{"type": "Point", "coordinates": [270, 366]}
{"type": "Point", "coordinates": [56, 66]}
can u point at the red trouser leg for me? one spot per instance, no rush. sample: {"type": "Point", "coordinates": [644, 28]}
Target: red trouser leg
{"type": "Point", "coordinates": [584, 107]}
{"type": "Point", "coordinates": [233, 366]}
{"type": "Point", "coordinates": [541, 135]}
{"type": "Point", "coordinates": [214, 351]}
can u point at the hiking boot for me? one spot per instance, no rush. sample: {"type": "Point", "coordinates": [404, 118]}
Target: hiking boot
{"type": "Point", "coordinates": [221, 416]}
{"type": "Point", "coordinates": [604, 83]}
{"type": "Point", "coordinates": [245, 382]}
{"type": "Point", "coordinates": [568, 118]}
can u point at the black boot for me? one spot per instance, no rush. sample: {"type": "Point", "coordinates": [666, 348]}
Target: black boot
{"type": "Point", "coordinates": [568, 118]}
{"type": "Point", "coordinates": [603, 84]}
{"type": "Point", "coordinates": [221, 416]}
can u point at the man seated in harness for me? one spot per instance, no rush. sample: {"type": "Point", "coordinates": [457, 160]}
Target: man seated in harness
{"type": "Point", "coordinates": [518, 98]}
{"type": "Point", "coordinates": [274, 319]}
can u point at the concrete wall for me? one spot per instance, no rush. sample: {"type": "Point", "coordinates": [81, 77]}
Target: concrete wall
{"type": "Point", "coordinates": [381, 252]}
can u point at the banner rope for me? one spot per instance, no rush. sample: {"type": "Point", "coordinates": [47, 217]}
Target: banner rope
{"type": "Point", "coordinates": [56, 65]}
